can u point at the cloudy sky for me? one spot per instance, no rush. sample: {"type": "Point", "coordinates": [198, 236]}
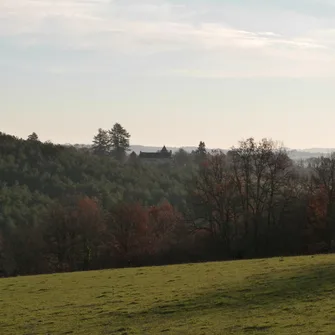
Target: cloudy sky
{"type": "Point", "coordinates": [172, 72]}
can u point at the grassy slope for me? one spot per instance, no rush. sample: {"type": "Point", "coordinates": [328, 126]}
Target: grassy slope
{"type": "Point", "coordinates": [276, 296]}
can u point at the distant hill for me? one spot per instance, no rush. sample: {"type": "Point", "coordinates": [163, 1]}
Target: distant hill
{"type": "Point", "coordinates": [143, 148]}
{"type": "Point", "coordinates": [304, 154]}
{"type": "Point", "coordinates": [138, 148]}
{"type": "Point", "coordinates": [318, 150]}
{"type": "Point", "coordinates": [293, 153]}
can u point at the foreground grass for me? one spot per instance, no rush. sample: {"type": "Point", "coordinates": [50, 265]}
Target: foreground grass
{"type": "Point", "coordinates": [275, 296]}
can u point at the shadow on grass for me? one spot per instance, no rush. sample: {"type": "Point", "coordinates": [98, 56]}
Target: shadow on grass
{"type": "Point", "coordinates": [264, 291]}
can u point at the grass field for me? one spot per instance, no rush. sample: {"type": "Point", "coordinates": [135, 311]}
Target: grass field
{"type": "Point", "coordinates": [275, 296]}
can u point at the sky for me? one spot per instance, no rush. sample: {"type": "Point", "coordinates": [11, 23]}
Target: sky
{"type": "Point", "coordinates": [172, 72]}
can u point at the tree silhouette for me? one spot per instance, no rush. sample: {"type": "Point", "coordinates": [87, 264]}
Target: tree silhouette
{"type": "Point", "coordinates": [119, 141]}
{"type": "Point", "coordinates": [33, 137]}
{"type": "Point", "coordinates": [101, 145]}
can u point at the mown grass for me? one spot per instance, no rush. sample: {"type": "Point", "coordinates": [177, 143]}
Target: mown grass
{"type": "Point", "coordinates": [274, 296]}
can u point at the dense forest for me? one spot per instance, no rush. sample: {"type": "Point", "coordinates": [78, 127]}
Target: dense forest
{"type": "Point", "coordinates": [64, 208]}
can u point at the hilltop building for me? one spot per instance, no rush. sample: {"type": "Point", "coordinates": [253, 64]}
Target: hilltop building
{"type": "Point", "coordinates": [161, 156]}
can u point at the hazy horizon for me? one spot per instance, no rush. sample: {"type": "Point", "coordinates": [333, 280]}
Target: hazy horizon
{"type": "Point", "coordinates": [172, 72]}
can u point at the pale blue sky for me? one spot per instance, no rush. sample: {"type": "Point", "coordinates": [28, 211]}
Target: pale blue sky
{"type": "Point", "coordinates": [172, 72]}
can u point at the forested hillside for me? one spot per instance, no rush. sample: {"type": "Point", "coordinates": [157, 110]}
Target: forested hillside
{"type": "Point", "coordinates": [67, 209]}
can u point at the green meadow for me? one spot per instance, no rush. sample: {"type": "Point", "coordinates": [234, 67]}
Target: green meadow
{"type": "Point", "coordinates": [269, 296]}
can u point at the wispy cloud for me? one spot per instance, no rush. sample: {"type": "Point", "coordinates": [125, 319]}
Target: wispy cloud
{"type": "Point", "coordinates": [142, 23]}
{"type": "Point", "coordinates": [147, 27]}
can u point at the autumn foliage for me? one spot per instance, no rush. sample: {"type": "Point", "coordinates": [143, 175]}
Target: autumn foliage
{"type": "Point", "coordinates": [64, 209]}
{"type": "Point", "coordinates": [318, 203]}
{"type": "Point", "coordinates": [138, 233]}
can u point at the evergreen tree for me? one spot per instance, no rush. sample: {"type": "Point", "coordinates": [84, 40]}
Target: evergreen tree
{"type": "Point", "coordinates": [201, 148]}
{"type": "Point", "coordinates": [101, 145]}
{"type": "Point", "coordinates": [119, 141]}
{"type": "Point", "coordinates": [201, 152]}
{"type": "Point", "coordinates": [33, 137]}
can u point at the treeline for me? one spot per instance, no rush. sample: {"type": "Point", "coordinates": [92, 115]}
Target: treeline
{"type": "Point", "coordinates": [68, 209]}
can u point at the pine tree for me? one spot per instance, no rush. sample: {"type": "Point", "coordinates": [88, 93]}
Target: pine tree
{"type": "Point", "coordinates": [33, 137]}
{"type": "Point", "coordinates": [201, 152]}
{"type": "Point", "coordinates": [101, 145]}
{"type": "Point", "coordinates": [119, 141]}
{"type": "Point", "coordinates": [201, 148]}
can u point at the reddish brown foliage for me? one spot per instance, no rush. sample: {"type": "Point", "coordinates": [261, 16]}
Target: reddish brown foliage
{"type": "Point", "coordinates": [318, 203]}
{"type": "Point", "coordinates": [165, 224]}
{"type": "Point", "coordinates": [73, 232]}
{"type": "Point", "coordinates": [138, 231]}
{"type": "Point", "coordinates": [163, 218]}
{"type": "Point", "coordinates": [128, 225]}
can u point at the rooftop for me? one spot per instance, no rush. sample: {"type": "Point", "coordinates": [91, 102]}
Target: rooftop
{"type": "Point", "coordinates": [162, 154]}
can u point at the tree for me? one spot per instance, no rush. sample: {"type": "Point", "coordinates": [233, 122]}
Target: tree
{"type": "Point", "coordinates": [182, 158]}
{"type": "Point", "coordinates": [260, 173]}
{"type": "Point", "coordinates": [91, 227]}
{"type": "Point", "coordinates": [133, 159]}
{"type": "Point", "coordinates": [215, 196]}
{"type": "Point", "coordinates": [119, 141]}
{"type": "Point", "coordinates": [323, 195]}
{"type": "Point", "coordinates": [27, 250]}
{"type": "Point", "coordinates": [101, 143]}
{"type": "Point", "coordinates": [201, 152]}
{"type": "Point", "coordinates": [73, 232]}
{"type": "Point", "coordinates": [202, 148]}
{"type": "Point", "coordinates": [164, 221]}
{"type": "Point", "coordinates": [127, 226]}
{"type": "Point", "coordinates": [33, 137]}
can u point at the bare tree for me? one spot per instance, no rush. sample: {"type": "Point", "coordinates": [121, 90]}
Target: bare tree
{"type": "Point", "coordinates": [323, 193]}
{"type": "Point", "coordinates": [216, 196]}
{"type": "Point", "coordinates": [260, 172]}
